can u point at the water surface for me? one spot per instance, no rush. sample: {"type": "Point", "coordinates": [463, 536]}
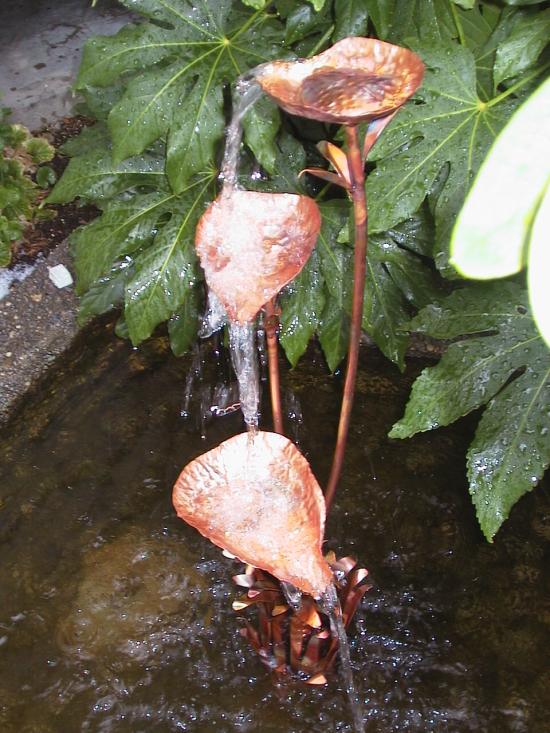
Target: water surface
{"type": "Point", "coordinates": [115, 616]}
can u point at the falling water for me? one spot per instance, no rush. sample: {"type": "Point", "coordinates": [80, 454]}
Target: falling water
{"type": "Point", "coordinates": [214, 318]}
{"type": "Point", "coordinates": [247, 91]}
{"type": "Point", "coordinates": [331, 606]}
{"type": "Point", "coordinates": [245, 364]}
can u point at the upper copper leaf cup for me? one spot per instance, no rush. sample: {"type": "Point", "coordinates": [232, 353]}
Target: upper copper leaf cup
{"type": "Point", "coordinates": [355, 80]}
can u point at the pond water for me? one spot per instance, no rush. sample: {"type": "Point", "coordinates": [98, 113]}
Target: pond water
{"type": "Point", "coordinates": [116, 616]}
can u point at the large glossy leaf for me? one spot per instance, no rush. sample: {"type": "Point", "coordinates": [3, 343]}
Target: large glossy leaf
{"type": "Point", "coordinates": [173, 72]}
{"type": "Point", "coordinates": [336, 262]}
{"type": "Point", "coordinates": [351, 18]}
{"type": "Point", "coordinates": [506, 364]}
{"type": "Point", "coordinates": [490, 238]}
{"type": "Point", "coordinates": [164, 272]}
{"type": "Point", "coordinates": [302, 304]}
{"type": "Point", "coordinates": [449, 128]}
{"type": "Point", "coordinates": [522, 47]}
{"type": "Point", "coordinates": [125, 226]}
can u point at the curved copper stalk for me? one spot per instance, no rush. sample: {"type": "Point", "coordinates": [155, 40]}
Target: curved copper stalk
{"type": "Point", "coordinates": [252, 244]}
{"type": "Point", "coordinates": [271, 325]}
{"type": "Point", "coordinates": [256, 496]}
{"type": "Point", "coordinates": [355, 80]}
{"type": "Point", "coordinates": [302, 641]}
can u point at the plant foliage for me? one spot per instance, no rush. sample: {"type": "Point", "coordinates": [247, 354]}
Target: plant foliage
{"type": "Point", "coordinates": [161, 91]}
{"type": "Point", "coordinates": [21, 155]}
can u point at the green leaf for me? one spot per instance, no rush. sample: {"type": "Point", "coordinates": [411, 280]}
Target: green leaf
{"type": "Point", "coordinates": [302, 22]}
{"type": "Point", "coordinates": [5, 252]}
{"type": "Point", "coordinates": [490, 236]}
{"type": "Point", "coordinates": [521, 49]}
{"type": "Point", "coordinates": [106, 293]}
{"type": "Point", "coordinates": [336, 263]}
{"type": "Point", "coordinates": [449, 126]}
{"type": "Point", "coordinates": [318, 4]}
{"type": "Point", "coordinates": [183, 325]}
{"type": "Point", "coordinates": [260, 126]}
{"type": "Point", "coordinates": [93, 176]}
{"type": "Point", "coordinates": [465, 4]}
{"type": "Point", "coordinates": [302, 303]}
{"type": "Point", "coordinates": [164, 272]}
{"type": "Point", "coordinates": [124, 227]}
{"type": "Point", "coordinates": [172, 72]}
{"type": "Point", "coordinates": [194, 133]}
{"type": "Point", "coordinates": [507, 367]}
{"type": "Point", "coordinates": [511, 448]}
{"type": "Point", "coordinates": [351, 19]}
{"type": "Point", "coordinates": [382, 13]}
{"type": "Point", "coordinates": [45, 176]}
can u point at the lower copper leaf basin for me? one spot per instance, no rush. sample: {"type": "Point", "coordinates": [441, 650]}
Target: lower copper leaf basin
{"type": "Point", "coordinates": [256, 496]}
{"type": "Point", "coordinates": [252, 244]}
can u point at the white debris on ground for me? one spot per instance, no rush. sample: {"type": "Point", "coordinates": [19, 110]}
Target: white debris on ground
{"type": "Point", "coordinates": [60, 276]}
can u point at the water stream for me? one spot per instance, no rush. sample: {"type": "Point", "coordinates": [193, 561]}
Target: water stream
{"type": "Point", "coordinates": [247, 92]}
{"type": "Point", "coordinates": [244, 358]}
{"type": "Point", "coordinates": [331, 606]}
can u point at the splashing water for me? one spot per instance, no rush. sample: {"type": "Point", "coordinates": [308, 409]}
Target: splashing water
{"type": "Point", "coordinates": [247, 92]}
{"type": "Point", "coordinates": [331, 606]}
{"type": "Point", "coordinates": [243, 357]}
{"type": "Point", "coordinates": [214, 318]}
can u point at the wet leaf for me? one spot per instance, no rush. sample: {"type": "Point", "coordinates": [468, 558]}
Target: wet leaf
{"type": "Point", "coordinates": [173, 71]}
{"type": "Point", "coordinates": [539, 293]}
{"type": "Point", "coordinates": [164, 273]}
{"type": "Point", "coordinates": [106, 293]}
{"type": "Point", "coordinates": [491, 235]}
{"type": "Point", "coordinates": [94, 177]}
{"type": "Point", "coordinates": [184, 323]}
{"type": "Point", "coordinates": [260, 126]}
{"type": "Point", "coordinates": [302, 304]}
{"type": "Point", "coordinates": [125, 226]}
{"type": "Point", "coordinates": [351, 19]}
{"type": "Point", "coordinates": [521, 49]}
{"type": "Point", "coordinates": [508, 368]}
{"type": "Point", "coordinates": [448, 126]}
{"type": "Point", "coordinates": [336, 262]}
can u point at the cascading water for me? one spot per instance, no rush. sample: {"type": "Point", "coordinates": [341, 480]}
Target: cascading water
{"type": "Point", "coordinates": [331, 606]}
{"type": "Point", "coordinates": [241, 336]}
{"type": "Point", "coordinates": [247, 92]}
{"type": "Point", "coordinates": [245, 363]}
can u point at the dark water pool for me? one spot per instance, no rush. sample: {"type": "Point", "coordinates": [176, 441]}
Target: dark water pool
{"type": "Point", "coordinates": [116, 616]}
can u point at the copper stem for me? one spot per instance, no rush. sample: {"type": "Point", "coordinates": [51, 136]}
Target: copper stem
{"type": "Point", "coordinates": [359, 198]}
{"type": "Point", "coordinates": [271, 328]}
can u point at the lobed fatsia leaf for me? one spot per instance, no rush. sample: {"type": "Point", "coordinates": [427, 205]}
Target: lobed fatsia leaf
{"type": "Point", "coordinates": [449, 126]}
{"type": "Point", "coordinates": [173, 71]}
{"type": "Point", "coordinates": [184, 323]}
{"type": "Point", "coordinates": [336, 263]}
{"type": "Point", "coordinates": [351, 19]}
{"type": "Point", "coordinates": [124, 226]}
{"type": "Point", "coordinates": [106, 293]}
{"type": "Point", "coordinates": [507, 367]}
{"type": "Point", "coordinates": [93, 176]}
{"type": "Point", "coordinates": [260, 127]}
{"type": "Point", "coordinates": [302, 304]}
{"type": "Point", "coordinates": [520, 50]}
{"type": "Point", "coordinates": [164, 272]}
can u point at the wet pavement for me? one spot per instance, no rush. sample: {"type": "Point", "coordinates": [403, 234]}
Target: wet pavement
{"type": "Point", "coordinates": [41, 43]}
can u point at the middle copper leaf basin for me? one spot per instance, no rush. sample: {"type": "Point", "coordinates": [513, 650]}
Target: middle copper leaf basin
{"type": "Point", "coordinates": [258, 498]}
{"type": "Point", "coordinates": [252, 244]}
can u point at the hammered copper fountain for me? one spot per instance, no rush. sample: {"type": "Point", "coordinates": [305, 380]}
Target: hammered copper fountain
{"type": "Point", "coordinates": [255, 494]}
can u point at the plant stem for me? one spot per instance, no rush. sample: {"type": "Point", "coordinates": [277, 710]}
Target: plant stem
{"type": "Point", "coordinates": [271, 328]}
{"type": "Point", "coordinates": [359, 198]}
